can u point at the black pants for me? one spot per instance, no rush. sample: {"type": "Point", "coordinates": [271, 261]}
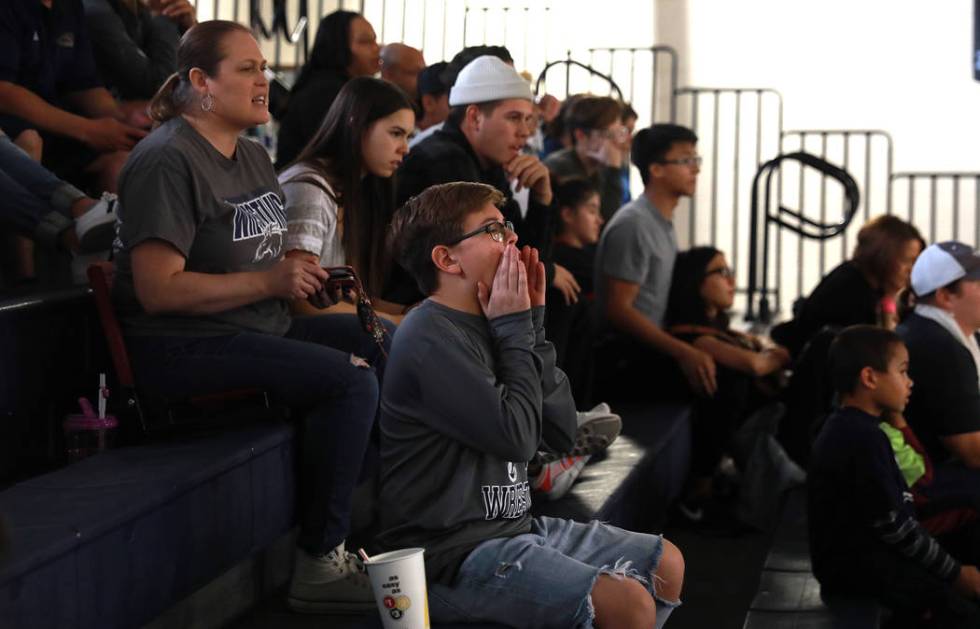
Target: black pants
{"type": "Point", "coordinates": [571, 329]}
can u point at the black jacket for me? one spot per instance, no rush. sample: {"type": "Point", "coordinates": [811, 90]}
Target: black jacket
{"type": "Point", "coordinates": [305, 111]}
{"type": "Point", "coordinates": [945, 399]}
{"type": "Point", "coordinates": [842, 298]}
{"type": "Point", "coordinates": [447, 156]}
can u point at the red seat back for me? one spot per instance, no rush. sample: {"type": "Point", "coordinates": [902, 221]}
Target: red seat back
{"type": "Point", "coordinates": [100, 281]}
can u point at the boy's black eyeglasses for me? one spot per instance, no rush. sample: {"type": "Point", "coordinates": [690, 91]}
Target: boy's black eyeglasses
{"type": "Point", "coordinates": [497, 230]}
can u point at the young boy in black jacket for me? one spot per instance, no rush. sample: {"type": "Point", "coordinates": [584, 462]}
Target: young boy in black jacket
{"type": "Point", "coordinates": [471, 392]}
{"type": "Point", "coordinates": [864, 537]}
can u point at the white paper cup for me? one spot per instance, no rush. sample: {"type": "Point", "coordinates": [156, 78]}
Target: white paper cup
{"type": "Point", "coordinates": [398, 581]}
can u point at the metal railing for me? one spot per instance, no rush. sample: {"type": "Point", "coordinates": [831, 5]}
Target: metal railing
{"type": "Point", "coordinates": [865, 153]}
{"type": "Point", "coordinates": [524, 28]}
{"type": "Point", "coordinates": [738, 129]}
{"type": "Point", "coordinates": [570, 64]}
{"type": "Point", "coordinates": [629, 66]}
{"type": "Point", "coordinates": [944, 206]}
{"type": "Point", "coordinates": [772, 212]}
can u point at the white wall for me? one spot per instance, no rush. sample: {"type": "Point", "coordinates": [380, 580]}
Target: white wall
{"type": "Point", "coordinates": [899, 65]}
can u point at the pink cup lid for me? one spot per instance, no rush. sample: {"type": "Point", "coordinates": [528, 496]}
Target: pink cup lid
{"type": "Point", "coordinates": [77, 422]}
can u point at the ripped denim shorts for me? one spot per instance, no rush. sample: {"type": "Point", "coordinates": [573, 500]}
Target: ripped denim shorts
{"type": "Point", "coordinates": [544, 578]}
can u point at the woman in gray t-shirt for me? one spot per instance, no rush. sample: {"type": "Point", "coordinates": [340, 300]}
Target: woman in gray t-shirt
{"type": "Point", "coordinates": [203, 289]}
{"type": "Point", "coordinates": [340, 191]}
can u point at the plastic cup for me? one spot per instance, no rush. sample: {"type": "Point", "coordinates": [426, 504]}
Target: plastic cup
{"type": "Point", "coordinates": [398, 581]}
{"type": "Point", "coordinates": [86, 435]}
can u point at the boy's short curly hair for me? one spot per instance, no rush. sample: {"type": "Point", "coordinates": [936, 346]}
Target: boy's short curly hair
{"type": "Point", "coordinates": [431, 218]}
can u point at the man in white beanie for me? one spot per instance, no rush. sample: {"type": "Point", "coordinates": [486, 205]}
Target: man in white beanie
{"type": "Point", "coordinates": [490, 119]}
{"type": "Point", "coordinates": [944, 357]}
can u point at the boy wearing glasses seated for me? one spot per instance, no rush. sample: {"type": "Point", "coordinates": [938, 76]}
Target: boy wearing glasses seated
{"type": "Point", "coordinates": [634, 263]}
{"type": "Point", "coordinates": [471, 392]}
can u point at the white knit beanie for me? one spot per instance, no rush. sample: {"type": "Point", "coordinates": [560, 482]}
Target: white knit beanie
{"type": "Point", "coordinates": [486, 79]}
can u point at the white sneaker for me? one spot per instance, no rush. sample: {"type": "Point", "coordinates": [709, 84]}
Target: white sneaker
{"type": "Point", "coordinates": [96, 228]}
{"type": "Point", "coordinates": [556, 478]}
{"type": "Point", "coordinates": [331, 583]}
{"type": "Point", "coordinates": [597, 429]}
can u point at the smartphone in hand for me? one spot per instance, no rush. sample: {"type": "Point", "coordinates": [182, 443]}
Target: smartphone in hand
{"type": "Point", "coordinates": [341, 282]}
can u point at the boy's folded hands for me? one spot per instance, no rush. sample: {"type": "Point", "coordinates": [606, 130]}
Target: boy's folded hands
{"type": "Point", "coordinates": [536, 282]}
{"type": "Point", "coordinates": [509, 293]}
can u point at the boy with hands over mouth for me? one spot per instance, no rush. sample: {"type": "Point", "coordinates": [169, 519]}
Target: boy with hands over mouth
{"type": "Point", "coordinates": [471, 393]}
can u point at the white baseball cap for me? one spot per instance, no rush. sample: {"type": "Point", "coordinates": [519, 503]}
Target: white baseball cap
{"type": "Point", "coordinates": [943, 263]}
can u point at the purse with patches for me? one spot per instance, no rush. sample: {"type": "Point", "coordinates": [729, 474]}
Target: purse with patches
{"type": "Point", "coordinates": [342, 281]}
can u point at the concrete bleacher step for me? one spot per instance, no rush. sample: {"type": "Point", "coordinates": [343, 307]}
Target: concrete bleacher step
{"type": "Point", "coordinates": [787, 591]}
{"type": "Point", "coordinates": [788, 620]}
{"type": "Point", "coordinates": [638, 477]}
{"type": "Point", "coordinates": [789, 595]}
{"type": "Point", "coordinates": [789, 556]}
{"type": "Point", "coordinates": [790, 551]}
{"type": "Point", "coordinates": [117, 539]}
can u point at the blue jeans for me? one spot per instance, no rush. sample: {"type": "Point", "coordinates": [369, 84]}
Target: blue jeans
{"type": "Point", "coordinates": [32, 199]}
{"type": "Point", "coordinates": [544, 578]}
{"type": "Point", "coordinates": [310, 368]}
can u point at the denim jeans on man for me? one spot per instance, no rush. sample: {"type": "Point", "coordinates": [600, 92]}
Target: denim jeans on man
{"type": "Point", "coordinates": [32, 199]}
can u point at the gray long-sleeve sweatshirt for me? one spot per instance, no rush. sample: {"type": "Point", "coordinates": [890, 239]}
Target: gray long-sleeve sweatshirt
{"type": "Point", "coordinates": [466, 403]}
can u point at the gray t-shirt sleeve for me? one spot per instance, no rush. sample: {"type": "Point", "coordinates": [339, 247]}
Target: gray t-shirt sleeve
{"type": "Point", "coordinates": [626, 257]}
{"type": "Point", "coordinates": [311, 219]}
{"type": "Point", "coordinates": [161, 189]}
{"type": "Point", "coordinates": [496, 413]}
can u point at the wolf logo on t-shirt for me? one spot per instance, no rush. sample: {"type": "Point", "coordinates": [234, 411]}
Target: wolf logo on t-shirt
{"type": "Point", "coordinates": [262, 217]}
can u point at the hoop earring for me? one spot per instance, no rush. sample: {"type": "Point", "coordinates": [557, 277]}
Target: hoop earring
{"type": "Point", "coordinates": [207, 102]}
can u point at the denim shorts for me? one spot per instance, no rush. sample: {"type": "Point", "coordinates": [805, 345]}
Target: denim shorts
{"type": "Point", "coordinates": [544, 578]}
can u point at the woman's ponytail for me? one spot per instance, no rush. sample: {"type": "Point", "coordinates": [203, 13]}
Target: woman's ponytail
{"type": "Point", "coordinates": [165, 103]}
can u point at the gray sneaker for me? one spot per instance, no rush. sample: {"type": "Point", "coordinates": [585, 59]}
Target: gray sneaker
{"type": "Point", "coordinates": [335, 583]}
{"type": "Point", "coordinates": [597, 429]}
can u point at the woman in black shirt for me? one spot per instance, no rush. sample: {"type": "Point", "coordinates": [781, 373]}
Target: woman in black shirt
{"type": "Point", "coordinates": [345, 47]}
{"type": "Point", "coordinates": [863, 289]}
